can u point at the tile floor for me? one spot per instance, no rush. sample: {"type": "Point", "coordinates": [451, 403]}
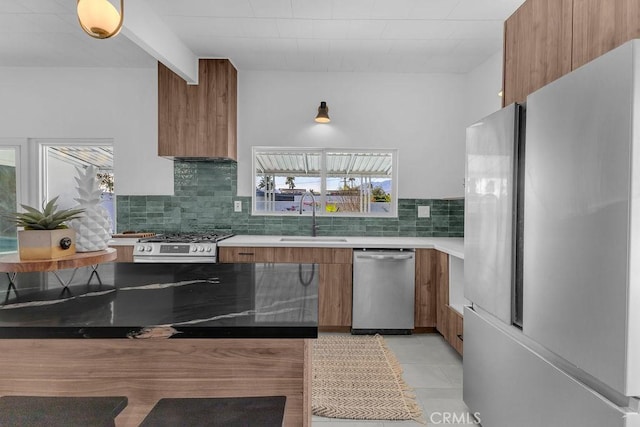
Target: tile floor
{"type": "Point", "coordinates": [434, 370]}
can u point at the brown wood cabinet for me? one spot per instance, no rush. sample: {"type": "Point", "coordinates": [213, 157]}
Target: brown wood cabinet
{"type": "Point", "coordinates": [335, 281]}
{"type": "Point", "coordinates": [335, 293]}
{"type": "Point", "coordinates": [537, 47]}
{"type": "Point", "coordinates": [425, 297]}
{"type": "Point", "coordinates": [200, 120]}
{"type": "Point", "coordinates": [545, 39]}
{"type": "Point", "coordinates": [442, 292]}
{"type": "Point", "coordinates": [448, 321]}
{"type": "Point", "coordinates": [455, 329]}
{"type": "Point", "coordinates": [125, 253]}
{"type": "Point", "coordinates": [602, 25]}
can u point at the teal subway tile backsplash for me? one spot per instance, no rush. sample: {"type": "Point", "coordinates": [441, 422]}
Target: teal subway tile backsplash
{"type": "Point", "coordinates": [203, 202]}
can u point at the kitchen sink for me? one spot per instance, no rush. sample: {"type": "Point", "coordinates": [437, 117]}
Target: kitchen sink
{"type": "Point", "coordinates": [313, 239]}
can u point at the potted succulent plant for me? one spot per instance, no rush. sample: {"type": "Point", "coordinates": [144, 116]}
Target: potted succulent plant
{"type": "Point", "coordinates": [45, 235]}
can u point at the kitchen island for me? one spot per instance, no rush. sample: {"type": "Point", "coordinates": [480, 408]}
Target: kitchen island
{"type": "Point", "coordinates": [152, 331]}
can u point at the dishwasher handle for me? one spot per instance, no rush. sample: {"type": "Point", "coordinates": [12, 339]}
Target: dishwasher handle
{"type": "Point", "coordinates": [385, 257]}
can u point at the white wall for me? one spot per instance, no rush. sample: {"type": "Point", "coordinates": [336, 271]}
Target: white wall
{"type": "Point", "coordinates": [423, 115]}
{"type": "Point", "coordinates": [91, 103]}
{"type": "Point", "coordinates": [420, 114]}
{"type": "Point", "coordinates": [483, 85]}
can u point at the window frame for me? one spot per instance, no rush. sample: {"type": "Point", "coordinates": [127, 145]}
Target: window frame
{"type": "Point", "coordinates": [20, 149]}
{"type": "Point", "coordinates": [38, 157]}
{"type": "Point", "coordinates": [393, 213]}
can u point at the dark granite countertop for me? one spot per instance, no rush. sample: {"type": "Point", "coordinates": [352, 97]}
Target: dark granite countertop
{"type": "Point", "coordinates": [164, 301]}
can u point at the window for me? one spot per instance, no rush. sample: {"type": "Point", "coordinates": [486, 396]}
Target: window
{"type": "Point", "coordinates": [341, 182]}
{"type": "Point", "coordinates": [33, 170]}
{"type": "Point", "coordinates": [58, 162]}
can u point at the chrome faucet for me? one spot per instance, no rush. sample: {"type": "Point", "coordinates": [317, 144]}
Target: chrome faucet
{"type": "Point", "coordinates": [314, 226]}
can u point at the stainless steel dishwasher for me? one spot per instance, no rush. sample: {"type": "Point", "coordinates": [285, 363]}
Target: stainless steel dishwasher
{"type": "Point", "coordinates": [383, 291]}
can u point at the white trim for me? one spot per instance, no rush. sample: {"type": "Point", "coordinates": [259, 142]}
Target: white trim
{"type": "Point", "coordinates": [20, 146]}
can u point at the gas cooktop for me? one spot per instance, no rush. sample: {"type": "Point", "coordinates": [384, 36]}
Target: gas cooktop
{"type": "Point", "coordinates": [185, 238]}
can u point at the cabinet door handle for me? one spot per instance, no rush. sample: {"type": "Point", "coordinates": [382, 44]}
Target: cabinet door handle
{"type": "Point", "coordinates": [460, 337]}
{"type": "Point", "coordinates": [246, 253]}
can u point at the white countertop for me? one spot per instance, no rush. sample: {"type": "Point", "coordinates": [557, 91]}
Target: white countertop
{"type": "Point", "coordinates": [451, 245]}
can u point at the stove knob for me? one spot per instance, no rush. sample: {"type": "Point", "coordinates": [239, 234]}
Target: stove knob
{"type": "Point", "coordinates": [194, 249]}
{"type": "Point", "coordinates": [208, 248]}
{"type": "Point", "coordinates": [140, 249]}
{"type": "Point", "coordinates": [149, 249]}
{"type": "Point", "coordinates": [201, 249]}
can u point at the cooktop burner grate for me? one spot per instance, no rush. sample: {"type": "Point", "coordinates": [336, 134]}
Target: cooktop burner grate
{"type": "Point", "coordinates": [185, 238]}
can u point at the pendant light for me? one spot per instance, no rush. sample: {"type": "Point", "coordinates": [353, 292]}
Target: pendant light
{"type": "Point", "coordinates": [99, 18]}
{"type": "Point", "coordinates": [323, 113]}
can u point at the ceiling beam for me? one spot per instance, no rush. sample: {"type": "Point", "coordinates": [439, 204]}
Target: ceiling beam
{"type": "Point", "coordinates": [145, 28]}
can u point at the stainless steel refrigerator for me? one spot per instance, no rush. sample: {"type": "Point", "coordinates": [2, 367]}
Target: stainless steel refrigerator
{"type": "Point", "coordinates": [552, 253]}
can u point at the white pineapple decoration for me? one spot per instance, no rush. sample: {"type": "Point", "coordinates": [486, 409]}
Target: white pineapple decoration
{"type": "Point", "coordinates": [92, 228]}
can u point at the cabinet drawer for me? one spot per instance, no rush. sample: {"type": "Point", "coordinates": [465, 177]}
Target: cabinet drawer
{"type": "Point", "coordinates": [285, 255]}
{"type": "Point", "coordinates": [245, 255]}
{"type": "Point", "coordinates": [314, 255]}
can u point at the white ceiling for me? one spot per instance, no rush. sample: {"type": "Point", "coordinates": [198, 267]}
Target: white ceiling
{"type": "Point", "coordinates": [297, 35]}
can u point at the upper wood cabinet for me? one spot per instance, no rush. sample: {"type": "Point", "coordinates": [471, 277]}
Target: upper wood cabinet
{"type": "Point", "coordinates": [545, 39]}
{"type": "Point", "coordinates": [602, 25]}
{"type": "Point", "coordinates": [198, 121]}
{"type": "Point", "coordinates": [537, 47]}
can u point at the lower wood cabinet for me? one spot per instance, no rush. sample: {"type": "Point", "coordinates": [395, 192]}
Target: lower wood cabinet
{"type": "Point", "coordinates": [454, 334]}
{"type": "Point", "coordinates": [447, 320]}
{"type": "Point", "coordinates": [335, 295]}
{"type": "Point", "coordinates": [125, 253]}
{"type": "Point", "coordinates": [442, 291]}
{"type": "Point", "coordinates": [425, 297]}
{"type": "Point", "coordinates": [335, 286]}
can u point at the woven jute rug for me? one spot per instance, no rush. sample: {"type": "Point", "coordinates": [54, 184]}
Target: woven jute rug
{"type": "Point", "coordinates": [359, 378]}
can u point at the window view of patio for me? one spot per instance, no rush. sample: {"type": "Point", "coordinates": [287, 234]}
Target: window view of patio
{"type": "Point", "coordinates": [339, 182]}
{"type": "Point", "coordinates": [59, 163]}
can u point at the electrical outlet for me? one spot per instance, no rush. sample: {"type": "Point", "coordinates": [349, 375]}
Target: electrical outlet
{"type": "Point", "coordinates": [424, 211]}
{"type": "Point", "coordinates": [237, 206]}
